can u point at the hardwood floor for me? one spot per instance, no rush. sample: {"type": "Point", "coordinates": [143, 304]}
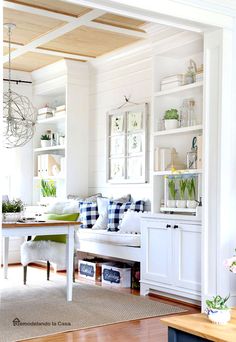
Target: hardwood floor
{"type": "Point", "coordinates": [145, 330]}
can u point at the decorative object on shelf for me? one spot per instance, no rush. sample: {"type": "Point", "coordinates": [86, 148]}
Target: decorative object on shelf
{"type": "Point", "coordinates": [199, 152]}
{"type": "Point", "coordinates": [217, 310]}
{"type": "Point", "coordinates": [62, 140]}
{"type": "Point", "coordinates": [190, 75]}
{"type": "Point", "coordinates": [171, 118]}
{"type": "Point", "coordinates": [19, 115]}
{"type": "Point", "coordinates": [163, 157]}
{"type": "Point", "coordinates": [126, 132]}
{"type": "Point", "coordinates": [187, 113]}
{"type": "Point", "coordinates": [181, 203]}
{"type": "Point", "coordinates": [12, 210]}
{"type": "Point", "coordinates": [48, 188]}
{"type": "Point", "coordinates": [45, 140]}
{"type": "Point", "coordinates": [230, 263]}
{"type": "Point", "coordinates": [172, 81]}
{"type": "Point", "coordinates": [175, 163]}
{"type": "Point", "coordinates": [191, 190]}
{"type": "Point", "coordinates": [192, 155]}
{"type": "Point", "coordinates": [49, 165]}
{"type": "Point", "coordinates": [199, 74]}
{"type": "Point", "coordinates": [171, 203]}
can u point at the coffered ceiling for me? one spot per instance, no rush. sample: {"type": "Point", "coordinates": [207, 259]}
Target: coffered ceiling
{"type": "Point", "coordinates": [49, 30]}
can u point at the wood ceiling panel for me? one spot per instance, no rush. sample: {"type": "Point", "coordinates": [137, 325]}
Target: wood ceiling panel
{"type": "Point", "coordinates": [55, 6]}
{"type": "Point", "coordinates": [120, 21]}
{"type": "Point", "coordinates": [32, 61]}
{"type": "Point", "coordinates": [89, 42]}
{"type": "Point", "coordinates": [28, 26]}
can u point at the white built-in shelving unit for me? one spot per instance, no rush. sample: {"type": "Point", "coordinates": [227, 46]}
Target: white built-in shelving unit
{"type": "Point", "coordinates": [63, 83]}
{"type": "Point", "coordinates": [167, 63]}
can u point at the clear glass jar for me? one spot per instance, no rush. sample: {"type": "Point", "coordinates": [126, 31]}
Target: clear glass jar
{"type": "Point", "coordinates": [192, 160]}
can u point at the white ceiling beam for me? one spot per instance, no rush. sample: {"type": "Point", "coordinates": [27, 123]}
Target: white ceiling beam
{"type": "Point", "coordinates": [83, 20]}
{"type": "Point", "coordinates": [117, 29]}
{"type": "Point", "coordinates": [53, 53]}
{"type": "Point", "coordinates": [69, 18]}
{"type": "Point", "coordinates": [38, 11]}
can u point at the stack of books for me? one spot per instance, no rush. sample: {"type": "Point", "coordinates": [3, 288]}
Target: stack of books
{"type": "Point", "coordinates": [172, 81]}
{"type": "Point", "coordinates": [44, 113]}
{"type": "Point", "coordinates": [60, 110]}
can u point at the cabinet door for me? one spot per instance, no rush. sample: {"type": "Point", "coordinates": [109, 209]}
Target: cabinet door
{"type": "Point", "coordinates": [156, 251]}
{"type": "Point", "coordinates": [187, 260]}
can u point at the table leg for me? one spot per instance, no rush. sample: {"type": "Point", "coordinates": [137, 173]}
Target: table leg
{"type": "Point", "coordinates": [69, 261]}
{"type": "Point", "coordinates": [5, 255]}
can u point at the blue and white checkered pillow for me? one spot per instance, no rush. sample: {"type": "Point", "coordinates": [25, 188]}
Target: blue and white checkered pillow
{"type": "Point", "coordinates": [116, 211]}
{"type": "Point", "coordinates": [88, 214]}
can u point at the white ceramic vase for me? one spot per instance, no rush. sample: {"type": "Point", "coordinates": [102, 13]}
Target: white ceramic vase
{"type": "Point", "coordinates": [45, 143]}
{"type": "Point", "coordinates": [11, 217]}
{"type": "Point", "coordinates": [171, 203]}
{"type": "Point", "coordinates": [181, 204]}
{"type": "Point", "coordinates": [218, 316]}
{"type": "Point", "coordinates": [191, 204]}
{"type": "Point", "coordinates": [171, 124]}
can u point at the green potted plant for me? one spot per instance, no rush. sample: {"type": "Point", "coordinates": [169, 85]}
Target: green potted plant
{"type": "Point", "coordinates": [171, 203]}
{"type": "Point", "coordinates": [171, 119]}
{"type": "Point", "coordinates": [48, 190]}
{"type": "Point", "coordinates": [191, 190]}
{"type": "Point", "coordinates": [12, 210]}
{"type": "Point", "coordinates": [181, 203]}
{"type": "Point", "coordinates": [45, 140]}
{"type": "Point", "coordinates": [217, 310]}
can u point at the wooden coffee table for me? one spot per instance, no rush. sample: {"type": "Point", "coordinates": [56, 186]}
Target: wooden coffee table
{"type": "Point", "coordinates": [197, 327]}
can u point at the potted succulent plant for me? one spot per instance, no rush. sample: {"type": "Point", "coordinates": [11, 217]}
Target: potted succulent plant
{"type": "Point", "coordinates": [217, 310]}
{"type": "Point", "coordinates": [12, 210]}
{"type": "Point", "coordinates": [181, 203]}
{"type": "Point", "coordinates": [45, 140]}
{"type": "Point", "coordinates": [171, 119]}
{"type": "Point", "coordinates": [191, 189]}
{"type": "Point", "coordinates": [171, 203]}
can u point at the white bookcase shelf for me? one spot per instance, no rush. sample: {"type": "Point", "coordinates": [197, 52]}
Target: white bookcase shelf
{"type": "Point", "coordinates": [179, 89]}
{"type": "Point", "coordinates": [177, 172]}
{"type": "Point", "coordinates": [178, 210]}
{"type": "Point", "coordinates": [53, 119]}
{"type": "Point", "coordinates": [181, 130]}
{"type": "Point", "coordinates": [50, 148]}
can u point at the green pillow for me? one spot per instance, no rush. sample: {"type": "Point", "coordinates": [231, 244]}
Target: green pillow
{"type": "Point", "coordinates": [57, 238]}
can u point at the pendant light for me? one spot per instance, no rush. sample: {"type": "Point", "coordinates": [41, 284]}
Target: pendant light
{"type": "Point", "coordinates": [19, 115]}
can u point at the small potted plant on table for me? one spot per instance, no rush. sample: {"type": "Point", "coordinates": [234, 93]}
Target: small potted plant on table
{"type": "Point", "coordinates": [217, 310]}
{"type": "Point", "coordinates": [181, 203]}
{"type": "Point", "coordinates": [45, 140]}
{"type": "Point", "coordinates": [171, 203]}
{"type": "Point", "coordinates": [12, 210]}
{"type": "Point", "coordinates": [171, 119]}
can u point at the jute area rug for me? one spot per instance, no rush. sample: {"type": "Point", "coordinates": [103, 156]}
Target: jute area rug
{"type": "Point", "coordinates": [40, 308]}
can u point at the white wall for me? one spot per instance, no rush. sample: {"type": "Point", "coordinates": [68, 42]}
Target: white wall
{"type": "Point", "coordinates": [111, 79]}
{"type": "Point", "coordinates": [18, 162]}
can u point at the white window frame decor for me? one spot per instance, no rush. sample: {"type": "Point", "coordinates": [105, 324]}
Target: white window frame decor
{"type": "Point", "coordinates": [127, 144]}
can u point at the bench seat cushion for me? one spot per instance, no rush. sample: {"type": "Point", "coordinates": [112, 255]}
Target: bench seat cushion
{"type": "Point", "coordinates": [114, 238]}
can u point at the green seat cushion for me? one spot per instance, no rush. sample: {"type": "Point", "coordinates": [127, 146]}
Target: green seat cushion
{"type": "Point", "coordinates": [57, 238]}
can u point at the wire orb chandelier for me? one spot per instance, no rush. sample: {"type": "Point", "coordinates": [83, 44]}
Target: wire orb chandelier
{"type": "Point", "coordinates": [19, 115]}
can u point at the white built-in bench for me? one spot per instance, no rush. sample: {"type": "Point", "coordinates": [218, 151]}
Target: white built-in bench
{"type": "Point", "coordinates": [109, 244]}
